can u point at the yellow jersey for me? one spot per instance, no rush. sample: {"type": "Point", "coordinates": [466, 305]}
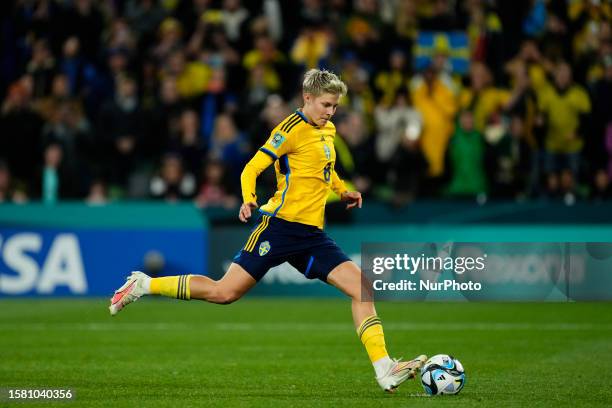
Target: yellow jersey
{"type": "Point", "coordinates": [304, 156]}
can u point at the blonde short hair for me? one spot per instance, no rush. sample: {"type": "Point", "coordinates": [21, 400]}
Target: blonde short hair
{"type": "Point", "coordinates": [317, 82]}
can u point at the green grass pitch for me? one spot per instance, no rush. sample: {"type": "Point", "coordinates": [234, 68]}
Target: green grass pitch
{"type": "Point", "coordinates": [301, 352]}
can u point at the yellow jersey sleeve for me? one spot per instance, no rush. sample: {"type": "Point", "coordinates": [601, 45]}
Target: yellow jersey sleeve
{"type": "Point", "coordinates": [337, 185]}
{"type": "Point", "coordinates": [277, 145]}
{"type": "Point", "coordinates": [249, 175]}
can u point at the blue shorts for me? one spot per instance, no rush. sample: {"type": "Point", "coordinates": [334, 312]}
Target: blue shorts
{"type": "Point", "coordinates": [274, 241]}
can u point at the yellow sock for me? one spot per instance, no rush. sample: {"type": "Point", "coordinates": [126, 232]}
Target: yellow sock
{"type": "Point", "coordinates": [371, 334]}
{"type": "Point", "coordinates": [172, 286]}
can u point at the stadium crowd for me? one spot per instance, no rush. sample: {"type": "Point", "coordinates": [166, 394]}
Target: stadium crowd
{"type": "Point", "coordinates": [168, 99]}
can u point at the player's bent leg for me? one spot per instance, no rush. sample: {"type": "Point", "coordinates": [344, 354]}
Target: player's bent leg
{"type": "Point", "coordinates": [390, 373]}
{"type": "Point", "coordinates": [234, 284]}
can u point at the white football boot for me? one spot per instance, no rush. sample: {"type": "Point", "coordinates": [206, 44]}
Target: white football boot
{"type": "Point", "coordinates": [137, 285]}
{"type": "Point", "coordinates": [399, 372]}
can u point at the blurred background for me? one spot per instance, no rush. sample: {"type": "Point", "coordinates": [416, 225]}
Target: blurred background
{"type": "Point", "coordinates": [167, 100]}
{"type": "Point", "coordinates": [469, 112]}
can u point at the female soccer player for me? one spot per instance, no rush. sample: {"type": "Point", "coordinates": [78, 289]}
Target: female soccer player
{"type": "Point", "coordinates": [291, 227]}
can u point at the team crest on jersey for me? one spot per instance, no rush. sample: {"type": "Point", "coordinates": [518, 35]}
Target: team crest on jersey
{"type": "Point", "coordinates": [277, 140]}
{"type": "Point", "coordinates": [327, 152]}
{"type": "Point", "coordinates": [264, 248]}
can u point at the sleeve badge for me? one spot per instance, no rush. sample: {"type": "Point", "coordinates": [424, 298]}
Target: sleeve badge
{"type": "Point", "coordinates": [277, 140]}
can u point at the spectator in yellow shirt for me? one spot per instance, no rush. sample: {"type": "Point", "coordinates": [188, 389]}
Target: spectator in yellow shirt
{"type": "Point", "coordinates": [563, 104]}
{"type": "Point", "coordinates": [482, 98]}
{"type": "Point", "coordinates": [434, 99]}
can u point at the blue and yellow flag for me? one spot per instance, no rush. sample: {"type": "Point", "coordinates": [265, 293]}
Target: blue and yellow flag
{"type": "Point", "coordinates": [454, 44]}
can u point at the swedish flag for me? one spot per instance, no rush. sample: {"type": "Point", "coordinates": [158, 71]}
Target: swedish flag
{"type": "Point", "coordinates": [454, 44]}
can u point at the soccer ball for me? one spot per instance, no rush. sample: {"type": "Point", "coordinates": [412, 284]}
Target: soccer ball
{"type": "Point", "coordinates": [442, 374]}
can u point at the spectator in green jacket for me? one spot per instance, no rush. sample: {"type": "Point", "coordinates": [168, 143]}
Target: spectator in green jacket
{"type": "Point", "coordinates": [466, 154]}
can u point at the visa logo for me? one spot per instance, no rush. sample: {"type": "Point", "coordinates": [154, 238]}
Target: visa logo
{"type": "Point", "coordinates": [32, 270]}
